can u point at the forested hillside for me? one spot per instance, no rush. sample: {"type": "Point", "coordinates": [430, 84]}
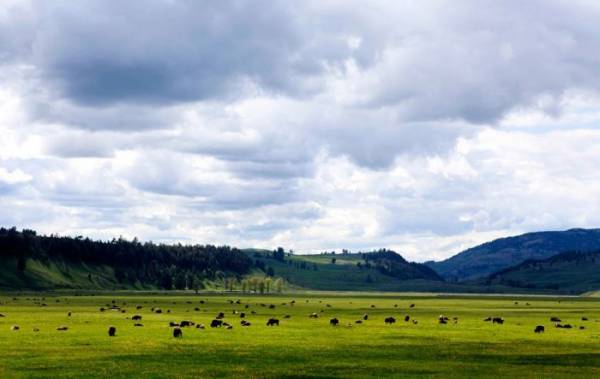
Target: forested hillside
{"type": "Point", "coordinates": [32, 261]}
{"type": "Point", "coordinates": [570, 272]}
{"type": "Point", "coordinates": [485, 259]}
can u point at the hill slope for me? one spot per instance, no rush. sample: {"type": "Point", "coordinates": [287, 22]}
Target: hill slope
{"type": "Point", "coordinates": [483, 260]}
{"type": "Point", "coordinates": [571, 272]}
{"type": "Point", "coordinates": [384, 270]}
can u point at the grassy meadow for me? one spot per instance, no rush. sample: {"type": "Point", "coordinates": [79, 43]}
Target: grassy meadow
{"type": "Point", "coordinates": [300, 346]}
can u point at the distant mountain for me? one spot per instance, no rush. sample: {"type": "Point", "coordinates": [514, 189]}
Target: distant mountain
{"type": "Point", "coordinates": [490, 257]}
{"type": "Point", "coordinates": [571, 272]}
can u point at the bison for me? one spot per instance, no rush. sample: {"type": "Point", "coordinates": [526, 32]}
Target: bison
{"type": "Point", "coordinates": [313, 315]}
{"type": "Point", "coordinates": [539, 329]}
{"type": "Point", "coordinates": [220, 315]}
{"type": "Point", "coordinates": [112, 331]}
{"type": "Point", "coordinates": [245, 323]}
{"type": "Point", "coordinates": [365, 317]}
{"type": "Point", "coordinates": [136, 318]}
{"type": "Point", "coordinates": [186, 323]}
{"type": "Point", "coordinates": [406, 318]}
{"type": "Point", "coordinates": [216, 323]}
{"type": "Point", "coordinates": [62, 328]}
{"type": "Point", "coordinates": [498, 320]}
{"type": "Point", "coordinates": [390, 320]}
{"type": "Point", "coordinates": [273, 322]}
{"type": "Point", "coordinates": [555, 319]}
{"type": "Point", "coordinates": [177, 333]}
{"type": "Point", "coordinates": [334, 322]}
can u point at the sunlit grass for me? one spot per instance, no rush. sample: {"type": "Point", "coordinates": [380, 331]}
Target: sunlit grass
{"type": "Point", "coordinates": [301, 346]}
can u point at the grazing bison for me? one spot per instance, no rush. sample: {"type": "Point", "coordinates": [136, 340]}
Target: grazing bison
{"type": "Point", "coordinates": [216, 323]}
{"type": "Point", "coordinates": [220, 315]}
{"type": "Point", "coordinates": [272, 306]}
{"type": "Point", "coordinates": [555, 319]}
{"type": "Point", "coordinates": [334, 322]}
{"type": "Point", "coordinates": [36, 330]}
{"type": "Point", "coordinates": [186, 323]}
{"type": "Point", "coordinates": [313, 315]}
{"type": "Point", "coordinates": [273, 322]}
{"type": "Point", "coordinates": [136, 317]}
{"type": "Point", "coordinates": [443, 319]}
{"type": "Point", "coordinates": [390, 320]}
{"type": "Point", "coordinates": [584, 319]}
{"type": "Point", "coordinates": [365, 317]}
{"type": "Point", "coordinates": [358, 322]}
{"type": "Point", "coordinates": [158, 310]}
{"type": "Point", "coordinates": [229, 327]}
{"type": "Point", "coordinates": [415, 322]}
{"type": "Point", "coordinates": [173, 324]}
{"type": "Point", "coordinates": [245, 323]}
{"type": "Point", "coordinates": [412, 306]}
{"type": "Point", "coordinates": [62, 328]}
{"type": "Point", "coordinates": [112, 331]}
{"type": "Point", "coordinates": [14, 327]}
{"type": "Point", "coordinates": [69, 314]}
{"type": "Point", "coordinates": [199, 326]}
{"type": "Point", "coordinates": [498, 320]}
{"type": "Point", "coordinates": [138, 307]}
{"type": "Point", "coordinates": [138, 324]}
{"type": "Point", "coordinates": [539, 329]}
{"type": "Point", "coordinates": [406, 318]}
{"type": "Point", "coordinates": [177, 333]}
{"type": "Point", "coordinates": [242, 315]}
{"type": "Point", "coordinates": [487, 319]}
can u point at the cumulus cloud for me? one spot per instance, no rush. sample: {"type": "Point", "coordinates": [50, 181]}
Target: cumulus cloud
{"type": "Point", "coordinates": [314, 125]}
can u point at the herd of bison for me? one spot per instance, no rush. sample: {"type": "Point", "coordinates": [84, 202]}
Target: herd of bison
{"type": "Point", "coordinates": [219, 322]}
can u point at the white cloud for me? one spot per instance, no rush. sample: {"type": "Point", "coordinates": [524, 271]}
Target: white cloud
{"type": "Point", "coordinates": [314, 125]}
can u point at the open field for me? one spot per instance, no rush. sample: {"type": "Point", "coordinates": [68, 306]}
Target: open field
{"type": "Point", "coordinates": [300, 346]}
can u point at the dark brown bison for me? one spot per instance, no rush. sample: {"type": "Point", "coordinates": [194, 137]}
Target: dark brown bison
{"type": "Point", "coordinates": [220, 315]}
{"type": "Point", "coordinates": [112, 331]}
{"type": "Point", "coordinates": [555, 319]}
{"type": "Point", "coordinates": [358, 322]}
{"type": "Point", "coordinates": [15, 327]}
{"type": "Point", "coordinates": [365, 317]}
{"type": "Point", "coordinates": [412, 306]}
{"type": "Point", "coordinates": [62, 328]}
{"type": "Point", "coordinates": [216, 323]}
{"type": "Point", "coordinates": [273, 322]}
{"type": "Point", "coordinates": [390, 320]}
{"type": "Point", "coordinates": [313, 315]}
{"type": "Point", "coordinates": [242, 315]}
{"type": "Point", "coordinates": [173, 324]}
{"type": "Point", "coordinates": [177, 333]}
{"type": "Point", "coordinates": [245, 323]}
{"type": "Point", "coordinates": [334, 322]}
{"type": "Point", "coordinates": [136, 318]}
{"type": "Point", "coordinates": [539, 329]}
{"type": "Point", "coordinates": [498, 320]}
{"type": "Point", "coordinates": [406, 318]}
{"type": "Point", "coordinates": [138, 324]}
{"type": "Point", "coordinates": [487, 319]}
{"type": "Point", "coordinates": [186, 323]}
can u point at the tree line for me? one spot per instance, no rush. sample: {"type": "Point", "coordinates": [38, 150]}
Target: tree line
{"type": "Point", "coordinates": [164, 266]}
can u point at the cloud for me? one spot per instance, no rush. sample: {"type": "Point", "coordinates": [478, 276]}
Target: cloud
{"type": "Point", "coordinates": [313, 125]}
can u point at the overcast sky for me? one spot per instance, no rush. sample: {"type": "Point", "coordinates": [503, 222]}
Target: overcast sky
{"type": "Point", "coordinates": [422, 126]}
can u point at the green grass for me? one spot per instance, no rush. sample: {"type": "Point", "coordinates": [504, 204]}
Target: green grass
{"type": "Point", "coordinates": [300, 347]}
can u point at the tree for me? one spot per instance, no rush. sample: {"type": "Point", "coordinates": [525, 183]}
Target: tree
{"type": "Point", "coordinates": [261, 286]}
{"type": "Point", "coordinates": [270, 271]}
{"type": "Point", "coordinates": [333, 260]}
{"type": "Point", "coordinates": [279, 284]}
{"type": "Point", "coordinates": [268, 284]}
{"type": "Point", "coordinates": [279, 254]}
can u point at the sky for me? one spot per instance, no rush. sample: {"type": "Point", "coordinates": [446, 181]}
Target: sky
{"type": "Point", "coordinates": [425, 127]}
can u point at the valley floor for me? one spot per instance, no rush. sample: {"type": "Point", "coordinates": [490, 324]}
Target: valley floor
{"type": "Point", "coordinates": [300, 346]}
